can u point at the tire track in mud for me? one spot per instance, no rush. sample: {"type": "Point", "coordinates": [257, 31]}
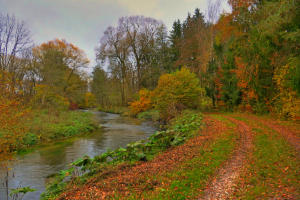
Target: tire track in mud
{"type": "Point", "coordinates": [291, 136]}
{"type": "Point", "coordinates": [224, 182]}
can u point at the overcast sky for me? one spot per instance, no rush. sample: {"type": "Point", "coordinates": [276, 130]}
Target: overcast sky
{"type": "Point", "coordinates": [82, 22]}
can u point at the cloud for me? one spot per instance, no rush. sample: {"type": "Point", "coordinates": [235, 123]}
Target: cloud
{"type": "Point", "coordinates": [138, 7]}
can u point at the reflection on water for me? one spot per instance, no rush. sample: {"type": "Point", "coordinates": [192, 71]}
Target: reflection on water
{"type": "Point", "coordinates": [33, 168]}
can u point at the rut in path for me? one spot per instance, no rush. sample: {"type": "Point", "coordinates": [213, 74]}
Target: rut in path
{"type": "Point", "coordinates": [291, 136]}
{"type": "Point", "coordinates": [223, 184]}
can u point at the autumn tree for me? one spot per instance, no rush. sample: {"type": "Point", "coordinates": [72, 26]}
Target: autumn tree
{"type": "Point", "coordinates": [59, 69]}
{"type": "Point", "coordinates": [12, 112]}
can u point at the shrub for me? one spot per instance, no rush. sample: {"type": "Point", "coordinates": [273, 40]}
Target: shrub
{"type": "Point", "coordinates": [143, 103]}
{"type": "Point", "coordinates": [30, 139]}
{"type": "Point", "coordinates": [176, 92]}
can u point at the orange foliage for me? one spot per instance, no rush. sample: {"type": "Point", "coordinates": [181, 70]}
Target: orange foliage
{"type": "Point", "coordinates": [73, 55]}
{"type": "Point", "coordinates": [236, 5]}
{"type": "Point", "coordinates": [143, 103]}
{"type": "Point", "coordinates": [11, 115]}
{"type": "Point", "coordinates": [243, 82]}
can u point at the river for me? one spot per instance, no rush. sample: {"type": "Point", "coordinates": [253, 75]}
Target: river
{"type": "Point", "coordinates": [32, 169]}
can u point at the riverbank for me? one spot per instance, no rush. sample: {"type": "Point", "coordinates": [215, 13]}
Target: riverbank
{"type": "Point", "coordinates": [114, 109]}
{"type": "Point", "coordinates": [46, 126]}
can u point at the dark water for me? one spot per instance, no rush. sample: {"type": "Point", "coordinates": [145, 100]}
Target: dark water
{"type": "Point", "coordinates": [33, 168]}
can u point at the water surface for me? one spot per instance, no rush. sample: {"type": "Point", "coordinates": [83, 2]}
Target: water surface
{"type": "Point", "coordinates": [33, 169]}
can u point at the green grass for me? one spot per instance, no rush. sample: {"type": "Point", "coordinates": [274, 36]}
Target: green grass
{"type": "Point", "coordinates": [189, 180]}
{"type": "Point", "coordinates": [273, 171]}
{"type": "Point", "coordinates": [224, 119]}
{"type": "Point", "coordinates": [43, 126]}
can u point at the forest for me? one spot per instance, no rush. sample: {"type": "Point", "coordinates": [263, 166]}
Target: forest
{"type": "Point", "coordinates": [233, 78]}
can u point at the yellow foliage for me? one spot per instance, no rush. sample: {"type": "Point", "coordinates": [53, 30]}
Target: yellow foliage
{"type": "Point", "coordinates": [89, 100]}
{"type": "Point", "coordinates": [177, 91]}
{"type": "Point", "coordinates": [287, 101]}
{"type": "Point", "coordinates": [46, 96]}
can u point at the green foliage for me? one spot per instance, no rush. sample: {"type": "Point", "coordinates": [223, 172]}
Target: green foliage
{"type": "Point", "coordinates": [230, 92]}
{"type": "Point", "coordinates": [30, 139]}
{"type": "Point", "coordinates": [19, 193]}
{"type": "Point", "coordinates": [250, 47]}
{"type": "Point", "coordinates": [57, 185]}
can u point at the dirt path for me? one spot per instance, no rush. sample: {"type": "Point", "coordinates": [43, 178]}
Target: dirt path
{"type": "Point", "coordinates": [291, 134]}
{"type": "Point", "coordinates": [284, 191]}
{"type": "Point", "coordinates": [124, 179]}
{"type": "Point", "coordinates": [224, 182]}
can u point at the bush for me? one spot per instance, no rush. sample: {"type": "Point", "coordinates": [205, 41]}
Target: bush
{"type": "Point", "coordinates": [142, 104]}
{"type": "Point", "coordinates": [30, 139]}
{"type": "Point", "coordinates": [176, 92]}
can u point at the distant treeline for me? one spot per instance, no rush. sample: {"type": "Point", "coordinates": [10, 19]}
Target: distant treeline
{"type": "Point", "coordinates": [247, 59]}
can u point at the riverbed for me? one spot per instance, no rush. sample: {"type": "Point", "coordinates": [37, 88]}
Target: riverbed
{"type": "Point", "coordinates": [33, 168]}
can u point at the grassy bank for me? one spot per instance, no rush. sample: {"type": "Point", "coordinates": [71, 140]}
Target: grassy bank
{"type": "Point", "coordinates": [45, 126]}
